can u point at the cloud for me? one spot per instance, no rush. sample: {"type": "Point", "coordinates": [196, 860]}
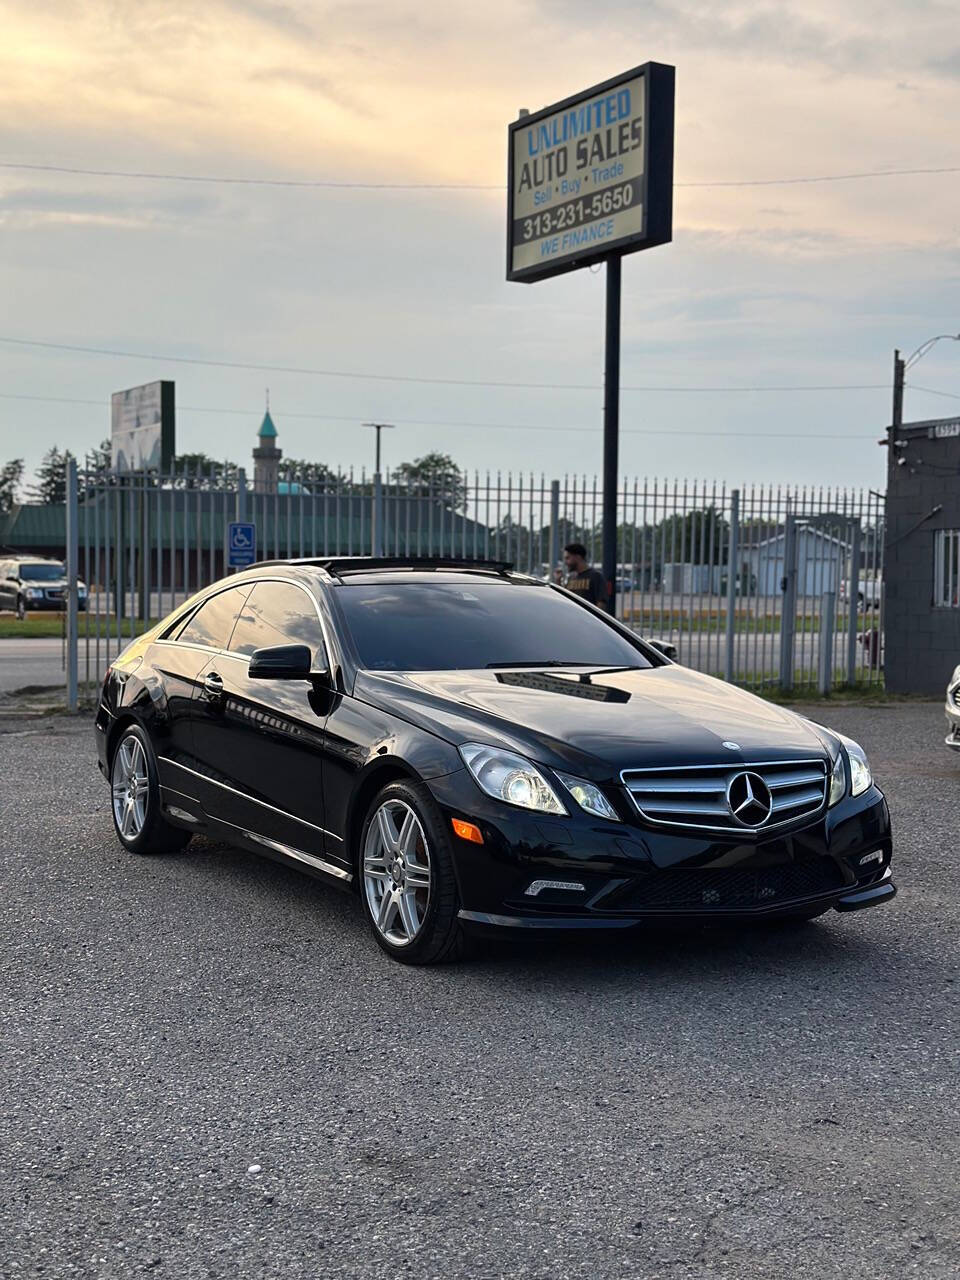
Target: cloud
{"type": "Point", "coordinates": [315, 82]}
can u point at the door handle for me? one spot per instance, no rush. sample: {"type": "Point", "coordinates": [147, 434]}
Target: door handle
{"type": "Point", "coordinates": [213, 685]}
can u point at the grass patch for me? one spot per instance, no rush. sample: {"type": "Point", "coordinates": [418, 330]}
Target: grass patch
{"type": "Point", "coordinates": [40, 626]}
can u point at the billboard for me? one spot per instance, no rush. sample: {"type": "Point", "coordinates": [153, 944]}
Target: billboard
{"type": "Point", "coordinates": [142, 428]}
{"type": "Point", "coordinates": [592, 175]}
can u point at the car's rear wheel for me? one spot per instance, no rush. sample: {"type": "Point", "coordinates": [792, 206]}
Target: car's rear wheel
{"type": "Point", "coordinates": [407, 885]}
{"type": "Point", "coordinates": [135, 798]}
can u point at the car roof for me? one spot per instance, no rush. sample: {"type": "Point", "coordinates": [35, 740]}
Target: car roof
{"type": "Point", "coordinates": [380, 570]}
{"type": "Point", "coordinates": [394, 577]}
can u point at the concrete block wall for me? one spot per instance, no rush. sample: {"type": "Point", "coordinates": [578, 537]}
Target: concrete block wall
{"type": "Point", "coordinates": [922, 641]}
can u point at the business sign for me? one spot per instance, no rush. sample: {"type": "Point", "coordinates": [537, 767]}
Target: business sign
{"type": "Point", "coordinates": [936, 428]}
{"type": "Point", "coordinates": [142, 428]}
{"type": "Point", "coordinates": [592, 175]}
{"type": "Point", "coordinates": [241, 544]}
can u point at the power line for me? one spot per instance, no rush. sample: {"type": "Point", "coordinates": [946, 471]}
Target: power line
{"type": "Point", "coordinates": [949, 395]}
{"type": "Point", "coordinates": [825, 177]}
{"type": "Point", "coordinates": [326, 184]}
{"type": "Point", "coordinates": [410, 378]}
{"type": "Point", "coordinates": [480, 426]}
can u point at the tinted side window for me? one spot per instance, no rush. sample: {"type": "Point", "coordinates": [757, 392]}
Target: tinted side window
{"type": "Point", "coordinates": [276, 613]}
{"type": "Point", "coordinates": [212, 623]}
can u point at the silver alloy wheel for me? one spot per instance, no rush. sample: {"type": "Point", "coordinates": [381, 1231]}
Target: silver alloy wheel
{"type": "Point", "coordinates": [396, 872]}
{"type": "Point", "coordinates": [130, 784]}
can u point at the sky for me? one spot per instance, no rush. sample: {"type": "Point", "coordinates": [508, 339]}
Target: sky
{"type": "Point", "coordinates": [808, 285]}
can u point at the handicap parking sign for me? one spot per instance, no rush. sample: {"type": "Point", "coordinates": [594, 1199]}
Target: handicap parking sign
{"type": "Point", "coordinates": [241, 544]}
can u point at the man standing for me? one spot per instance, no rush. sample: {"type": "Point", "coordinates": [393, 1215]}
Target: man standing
{"type": "Point", "coordinates": [581, 579]}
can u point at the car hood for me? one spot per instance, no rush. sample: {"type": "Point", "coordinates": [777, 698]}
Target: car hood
{"type": "Point", "coordinates": [599, 721]}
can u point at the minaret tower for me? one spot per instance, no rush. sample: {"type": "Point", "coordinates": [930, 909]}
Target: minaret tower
{"type": "Point", "coordinates": [266, 458]}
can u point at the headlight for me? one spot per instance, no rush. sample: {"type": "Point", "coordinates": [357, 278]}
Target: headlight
{"type": "Point", "coordinates": [81, 589]}
{"type": "Point", "coordinates": [861, 779]}
{"type": "Point", "coordinates": [838, 781]}
{"type": "Point", "coordinates": [507, 777]}
{"type": "Point", "coordinates": [860, 776]}
{"type": "Point", "coordinates": [32, 593]}
{"type": "Point", "coordinates": [589, 797]}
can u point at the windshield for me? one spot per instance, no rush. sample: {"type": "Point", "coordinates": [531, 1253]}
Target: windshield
{"type": "Point", "coordinates": [42, 572]}
{"type": "Point", "coordinates": [427, 626]}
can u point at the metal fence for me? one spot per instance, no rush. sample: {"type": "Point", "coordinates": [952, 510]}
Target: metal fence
{"type": "Point", "coordinates": [767, 586]}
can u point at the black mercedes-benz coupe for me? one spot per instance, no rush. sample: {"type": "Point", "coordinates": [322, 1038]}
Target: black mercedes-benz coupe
{"type": "Point", "coordinates": [471, 750]}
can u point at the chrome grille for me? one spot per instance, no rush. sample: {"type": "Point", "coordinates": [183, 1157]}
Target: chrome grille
{"type": "Point", "coordinates": [697, 797]}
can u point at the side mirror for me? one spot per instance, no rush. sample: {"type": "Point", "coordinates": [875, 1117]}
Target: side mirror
{"type": "Point", "coordinates": [281, 662]}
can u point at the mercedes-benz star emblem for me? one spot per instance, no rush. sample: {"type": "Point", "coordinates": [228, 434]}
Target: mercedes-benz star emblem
{"type": "Point", "coordinates": [749, 799]}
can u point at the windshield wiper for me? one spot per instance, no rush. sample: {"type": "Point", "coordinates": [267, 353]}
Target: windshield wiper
{"type": "Point", "coordinates": [547, 662]}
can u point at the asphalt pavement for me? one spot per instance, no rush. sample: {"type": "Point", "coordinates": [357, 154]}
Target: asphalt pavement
{"type": "Point", "coordinates": [36, 663]}
{"type": "Point", "coordinates": [209, 1069]}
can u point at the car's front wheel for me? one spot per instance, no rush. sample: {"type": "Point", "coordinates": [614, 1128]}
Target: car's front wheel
{"type": "Point", "coordinates": [135, 798]}
{"type": "Point", "coordinates": [407, 885]}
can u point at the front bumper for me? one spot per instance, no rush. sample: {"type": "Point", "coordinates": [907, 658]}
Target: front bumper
{"type": "Point", "coordinates": [952, 713]}
{"type": "Point", "coordinates": [535, 872]}
{"type": "Point", "coordinates": [52, 606]}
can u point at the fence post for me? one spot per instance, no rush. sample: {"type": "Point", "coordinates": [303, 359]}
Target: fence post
{"type": "Point", "coordinates": [376, 539]}
{"type": "Point", "coordinates": [853, 591]}
{"type": "Point", "coordinates": [828, 611]}
{"type": "Point", "coordinates": [788, 613]}
{"type": "Point", "coordinates": [554, 526]}
{"type": "Point", "coordinates": [240, 509]}
{"type": "Point", "coordinates": [733, 575]}
{"type": "Point", "coordinates": [73, 565]}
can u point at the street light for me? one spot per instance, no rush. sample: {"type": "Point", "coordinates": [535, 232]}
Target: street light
{"type": "Point", "coordinates": [378, 427]}
{"type": "Point", "coordinates": [900, 367]}
{"type": "Point", "coordinates": [924, 347]}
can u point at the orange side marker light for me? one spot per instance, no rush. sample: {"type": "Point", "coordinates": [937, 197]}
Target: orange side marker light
{"type": "Point", "coordinates": [467, 831]}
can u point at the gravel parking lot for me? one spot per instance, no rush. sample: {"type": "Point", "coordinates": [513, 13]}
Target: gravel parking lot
{"type": "Point", "coordinates": [210, 1070]}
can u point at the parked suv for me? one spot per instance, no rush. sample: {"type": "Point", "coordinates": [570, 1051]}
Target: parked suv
{"type": "Point", "coordinates": [36, 584]}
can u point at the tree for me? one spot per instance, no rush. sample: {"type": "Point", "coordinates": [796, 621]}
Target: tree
{"type": "Point", "coordinates": [200, 471]}
{"type": "Point", "coordinates": [315, 477]}
{"type": "Point", "coordinates": [51, 482]}
{"type": "Point", "coordinates": [101, 458]}
{"type": "Point", "coordinates": [435, 475]}
{"type": "Point", "coordinates": [11, 474]}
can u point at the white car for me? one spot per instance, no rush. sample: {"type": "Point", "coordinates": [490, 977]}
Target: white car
{"type": "Point", "coordinates": [868, 591]}
{"type": "Point", "coordinates": [952, 710]}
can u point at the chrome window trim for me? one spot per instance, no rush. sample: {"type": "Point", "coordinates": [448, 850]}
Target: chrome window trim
{"type": "Point", "coordinates": [292, 582]}
{"type": "Point", "coordinates": [183, 622]}
{"type": "Point", "coordinates": [204, 777]}
{"type": "Point", "coordinates": [228, 653]}
{"type": "Point", "coordinates": [745, 766]}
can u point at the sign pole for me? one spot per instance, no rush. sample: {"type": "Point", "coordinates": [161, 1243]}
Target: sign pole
{"type": "Point", "coordinates": [611, 429]}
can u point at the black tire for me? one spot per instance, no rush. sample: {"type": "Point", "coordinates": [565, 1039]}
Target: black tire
{"type": "Point", "coordinates": [21, 609]}
{"type": "Point", "coordinates": [440, 938]}
{"type": "Point", "coordinates": [155, 834]}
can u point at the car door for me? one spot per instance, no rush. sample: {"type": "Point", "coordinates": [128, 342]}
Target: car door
{"type": "Point", "coordinates": [263, 739]}
{"type": "Point", "coordinates": [179, 662]}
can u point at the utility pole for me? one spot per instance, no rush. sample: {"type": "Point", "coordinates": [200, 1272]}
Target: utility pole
{"type": "Point", "coordinates": [376, 515]}
{"type": "Point", "coordinates": [611, 429]}
{"type": "Point", "coordinates": [899, 369]}
{"type": "Point", "coordinates": [378, 427]}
